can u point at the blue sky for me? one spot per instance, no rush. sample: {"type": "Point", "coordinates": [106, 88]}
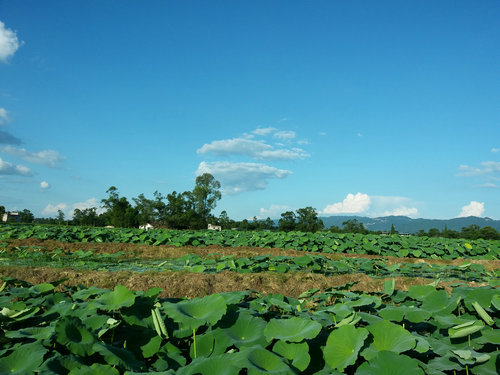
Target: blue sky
{"type": "Point", "coordinates": [354, 108]}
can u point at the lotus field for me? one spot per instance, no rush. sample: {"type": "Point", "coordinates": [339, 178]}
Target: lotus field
{"type": "Point", "coordinates": [79, 300]}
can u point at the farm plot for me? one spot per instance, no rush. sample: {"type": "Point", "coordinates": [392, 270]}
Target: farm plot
{"type": "Point", "coordinates": [259, 310]}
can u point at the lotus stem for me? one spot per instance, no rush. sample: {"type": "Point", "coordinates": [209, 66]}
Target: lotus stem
{"type": "Point", "coordinates": [194, 343]}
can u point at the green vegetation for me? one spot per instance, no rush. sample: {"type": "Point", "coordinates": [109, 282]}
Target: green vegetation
{"type": "Point", "coordinates": [91, 330]}
{"type": "Point", "coordinates": [322, 242]}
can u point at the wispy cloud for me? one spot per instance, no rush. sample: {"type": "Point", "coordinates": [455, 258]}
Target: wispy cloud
{"type": "Point", "coordinates": [284, 135]}
{"type": "Point", "coordinates": [472, 209]}
{"type": "Point", "coordinates": [495, 150]}
{"type": "Point", "coordinates": [264, 131]}
{"type": "Point", "coordinates": [237, 178]}
{"type": "Point", "coordinates": [7, 168]}
{"type": "Point", "coordinates": [9, 43]}
{"type": "Point", "coordinates": [487, 168]}
{"type": "Point", "coordinates": [49, 158]}
{"type": "Point", "coordinates": [252, 148]}
{"type": "Point", "coordinates": [3, 116]}
{"type": "Point", "coordinates": [8, 139]}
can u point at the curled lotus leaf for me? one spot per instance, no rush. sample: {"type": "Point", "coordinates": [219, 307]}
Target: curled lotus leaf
{"type": "Point", "coordinates": [76, 336]}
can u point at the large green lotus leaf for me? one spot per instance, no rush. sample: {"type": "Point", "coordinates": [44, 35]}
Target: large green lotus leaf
{"type": "Point", "coordinates": [439, 302]}
{"type": "Point", "coordinates": [419, 292]}
{"type": "Point", "coordinates": [489, 368]}
{"type": "Point", "coordinates": [388, 336]}
{"type": "Point", "coordinates": [95, 369]}
{"type": "Point", "coordinates": [139, 314]}
{"type": "Point", "coordinates": [41, 288]}
{"type": "Point", "coordinates": [143, 342]}
{"type": "Point", "coordinates": [389, 286]}
{"type": "Point", "coordinates": [390, 363]}
{"type": "Point", "coordinates": [297, 353]}
{"type": "Point", "coordinates": [60, 364]}
{"type": "Point", "coordinates": [117, 356]}
{"type": "Point", "coordinates": [72, 333]}
{"type": "Point", "coordinates": [491, 336]}
{"type": "Point", "coordinates": [247, 331]}
{"type": "Point", "coordinates": [24, 360]}
{"type": "Point", "coordinates": [416, 315]}
{"type": "Point", "coordinates": [39, 333]}
{"type": "Point", "coordinates": [197, 312]}
{"type": "Point", "coordinates": [216, 365]}
{"type": "Point", "coordinates": [483, 296]}
{"type": "Point", "coordinates": [343, 345]}
{"type": "Point", "coordinates": [113, 300]}
{"type": "Point", "coordinates": [365, 300]}
{"type": "Point", "coordinates": [233, 298]}
{"type": "Point", "coordinates": [444, 363]}
{"type": "Point", "coordinates": [392, 313]}
{"type": "Point", "coordinates": [210, 343]}
{"type": "Point", "coordinates": [258, 360]}
{"type": "Point", "coordinates": [294, 329]}
{"type": "Point", "coordinates": [495, 301]}
{"type": "Point", "coordinates": [85, 293]}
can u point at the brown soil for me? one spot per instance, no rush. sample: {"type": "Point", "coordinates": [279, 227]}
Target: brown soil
{"type": "Point", "coordinates": [156, 252]}
{"type": "Point", "coordinates": [184, 284]}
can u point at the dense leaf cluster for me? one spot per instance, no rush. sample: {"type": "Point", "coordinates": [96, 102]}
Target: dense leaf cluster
{"type": "Point", "coordinates": [97, 331]}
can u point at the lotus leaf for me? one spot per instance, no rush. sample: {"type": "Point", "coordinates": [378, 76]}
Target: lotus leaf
{"type": "Point", "coordinates": [247, 331]}
{"type": "Point", "coordinates": [294, 329]}
{"type": "Point", "coordinates": [23, 360]}
{"type": "Point", "coordinates": [60, 364]}
{"type": "Point", "coordinates": [343, 345]}
{"type": "Point", "coordinates": [95, 369]}
{"type": "Point", "coordinates": [465, 329]}
{"type": "Point", "coordinates": [117, 356]}
{"type": "Point", "coordinates": [72, 333]}
{"type": "Point", "coordinates": [390, 337]}
{"type": "Point", "coordinates": [438, 301]}
{"type": "Point", "coordinates": [489, 368]}
{"type": "Point", "coordinates": [258, 360]}
{"type": "Point", "coordinates": [113, 300]}
{"type": "Point", "coordinates": [388, 362]}
{"type": "Point", "coordinates": [197, 312]}
{"type": "Point", "coordinates": [220, 365]}
{"type": "Point", "coordinates": [297, 353]}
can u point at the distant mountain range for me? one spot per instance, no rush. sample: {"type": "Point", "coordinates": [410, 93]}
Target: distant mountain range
{"type": "Point", "coordinates": [404, 224]}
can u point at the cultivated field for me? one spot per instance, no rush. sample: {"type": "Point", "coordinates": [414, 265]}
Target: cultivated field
{"type": "Point", "coordinates": [81, 300]}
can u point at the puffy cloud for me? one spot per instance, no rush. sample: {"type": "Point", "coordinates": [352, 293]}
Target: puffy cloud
{"type": "Point", "coordinates": [251, 148]}
{"type": "Point", "coordinates": [8, 139]}
{"type": "Point", "coordinates": [49, 158]}
{"type": "Point", "coordinates": [472, 209]}
{"type": "Point", "coordinates": [9, 43]}
{"type": "Point", "coordinates": [353, 203]}
{"type": "Point", "coordinates": [236, 178]}
{"type": "Point", "coordinates": [51, 209]}
{"type": "Point", "coordinates": [44, 185]}
{"type": "Point", "coordinates": [3, 115]}
{"type": "Point", "coordinates": [7, 168]}
{"type": "Point", "coordinates": [274, 211]}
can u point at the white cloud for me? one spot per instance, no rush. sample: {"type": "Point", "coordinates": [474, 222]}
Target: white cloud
{"type": "Point", "coordinates": [495, 149]}
{"type": "Point", "coordinates": [489, 185]}
{"type": "Point", "coordinates": [44, 185]}
{"type": "Point", "coordinates": [51, 209]}
{"type": "Point", "coordinates": [3, 115]}
{"type": "Point", "coordinates": [401, 211]}
{"type": "Point", "coordinates": [7, 168]}
{"type": "Point", "coordinates": [353, 203]}
{"type": "Point", "coordinates": [251, 148]}
{"type": "Point", "coordinates": [472, 209]}
{"type": "Point", "coordinates": [8, 42]}
{"type": "Point", "coordinates": [49, 158]}
{"type": "Point", "coordinates": [488, 167]}
{"type": "Point", "coordinates": [264, 131]}
{"type": "Point", "coordinates": [284, 135]}
{"type": "Point", "coordinates": [236, 178]}
{"type": "Point", "coordinates": [274, 211]}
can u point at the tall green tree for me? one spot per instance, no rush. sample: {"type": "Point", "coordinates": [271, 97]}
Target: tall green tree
{"type": "Point", "coordinates": [26, 216]}
{"type": "Point", "coordinates": [354, 226]}
{"type": "Point", "coordinates": [307, 220]}
{"type": "Point", "coordinates": [287, 222]}
{"type": "Point", "coordinates": [206, 193]}
{"type": "Point", "coordinates": [119, 211]}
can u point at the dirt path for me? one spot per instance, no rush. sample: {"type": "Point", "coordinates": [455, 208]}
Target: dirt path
{"type": "Point", "coordinates": [184, 284]}
{"type": "Point", "coordinates": [155, 252]}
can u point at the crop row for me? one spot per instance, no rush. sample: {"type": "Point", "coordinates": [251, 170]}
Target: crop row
{"type": "Point", "coordinates": [87, 260]}
{"type": "Point", "coordinates": [97, 331]}
{"type": "Point", "coordinates": [394, 245]}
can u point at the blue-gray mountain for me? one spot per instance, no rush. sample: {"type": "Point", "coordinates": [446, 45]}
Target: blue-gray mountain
{"type": "Point", "coordinates": [404, 224]}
